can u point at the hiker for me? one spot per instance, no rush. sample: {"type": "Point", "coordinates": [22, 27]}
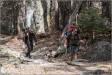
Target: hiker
{"type": "Point", "coordinates": [72, 41]}
{"type": "Point", "coordinates": [29, 38]}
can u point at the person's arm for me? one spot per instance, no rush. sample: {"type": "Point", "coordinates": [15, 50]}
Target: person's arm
{"type": "Point", "coordinates": [25, 38]}
{"type": "Point", "coordinates": [64, 33]}
{"type": "Point", "coordinates": [34, 37]}
{"type": "Point", "coordinates": [81, 41]}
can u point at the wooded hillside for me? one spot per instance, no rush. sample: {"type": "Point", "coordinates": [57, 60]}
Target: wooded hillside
{"type": "Point", "coordinates": [49, 20]}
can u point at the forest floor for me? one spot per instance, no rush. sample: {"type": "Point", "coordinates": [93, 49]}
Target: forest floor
{"type": "Point", "coordinates": [14, 62]}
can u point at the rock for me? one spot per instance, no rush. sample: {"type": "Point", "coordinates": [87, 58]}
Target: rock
{"type": "Point", "coordinates": [98, 71]}
{"type": "Point", "coordinates": [99, 51]}
{"type": "Point", "coordinates": [80, 60]}
{"type": "Point", "coordinates": [2, 70]}
{"type": "Point", "coordinates": [39, 61]}
{"type": "Point", "coordinates": [76, 63]}
{"type": "Point", "coordinates": [10, 52]}
{"type": "Point", "coordinates": [61, 50]}
{"type": "Point", "coordinates": [14, 61]}
{"type": "Point", "coordinates": [53, 53]}
{"type": "Point", "coordinates": [94, 72]}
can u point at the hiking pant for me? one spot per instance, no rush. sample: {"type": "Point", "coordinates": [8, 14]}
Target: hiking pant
{"type": "Point", "coordinates": [72, 49]}
{"type": "Point", "coordinates": [30, 48]}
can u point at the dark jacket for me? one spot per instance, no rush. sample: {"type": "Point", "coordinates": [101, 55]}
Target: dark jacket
{"type": "Point", "coordinates": [30, 38]}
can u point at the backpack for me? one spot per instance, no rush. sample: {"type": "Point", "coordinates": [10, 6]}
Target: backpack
{"type": "Point", "coordinates": [69, 31]}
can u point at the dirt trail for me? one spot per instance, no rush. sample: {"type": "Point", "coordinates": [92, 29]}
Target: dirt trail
{"type": "Point", "coordinates": [13, 60]}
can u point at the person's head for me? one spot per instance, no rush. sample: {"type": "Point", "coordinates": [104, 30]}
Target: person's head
{"type": "Point", "coordinates": [31, 30]}
{"type": "Point", "coordinates": [74, 23]}
{"type": "Point", "coordinates": [75, 31]}
{"type": "Point", "coordinates": [27, 28]}
{"type": "Point", "coordinates": [23, 29]}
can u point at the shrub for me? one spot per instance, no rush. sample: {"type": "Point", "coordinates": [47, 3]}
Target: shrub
{"type": "Point", "coordinates": [91, 22]}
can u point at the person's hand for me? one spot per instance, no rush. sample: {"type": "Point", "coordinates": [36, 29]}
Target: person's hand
{"type": "Point", "coordinates": [82, 41]}
{"type": "Point", "coordinates": [65, 33]}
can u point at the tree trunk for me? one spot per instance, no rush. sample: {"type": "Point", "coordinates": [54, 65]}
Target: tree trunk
{"type": "Point", "coordinates": [106, 6]}
{"type": "Point", "coordinates": [18, 24]}
{"type": "Point", "coordinates": [24, 13]}
{"type": "Point", "coordinates": [53, 15]}
{"type": "Point", "coordinates": [75, 12]}
{"type": "Point", "coordinates": [64, 13]}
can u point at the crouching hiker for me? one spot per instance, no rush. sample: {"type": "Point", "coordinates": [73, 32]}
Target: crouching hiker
{"type": "Point", "coordinates": [29, 39]}
{"type": "Point", "coordinates": [72, 41]}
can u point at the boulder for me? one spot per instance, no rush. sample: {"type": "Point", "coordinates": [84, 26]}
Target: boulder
{"type": "Point", "coordinates": [94, 72]}
{"type": "Point", "coordinates": [99, 51]}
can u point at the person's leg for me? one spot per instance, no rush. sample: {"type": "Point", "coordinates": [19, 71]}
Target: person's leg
{"type": "Point", "coordinates": [29, 50]}
{"type": "Point", "coordinates": [75, 52]}
{"type": "Point", "coordinates": [71, 57]}
{"type": "Point", "coordinates": [28, 53]}
{"type": "Point", "coordinates": [75, 55]}
{"type": "Point", "coordinates": [31, 45]}
{"type": "Point", "coordinates": [70, 51]}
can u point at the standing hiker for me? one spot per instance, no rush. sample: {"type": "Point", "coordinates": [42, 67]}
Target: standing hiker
{"type": "Point", "coordinates": [29, 38]}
